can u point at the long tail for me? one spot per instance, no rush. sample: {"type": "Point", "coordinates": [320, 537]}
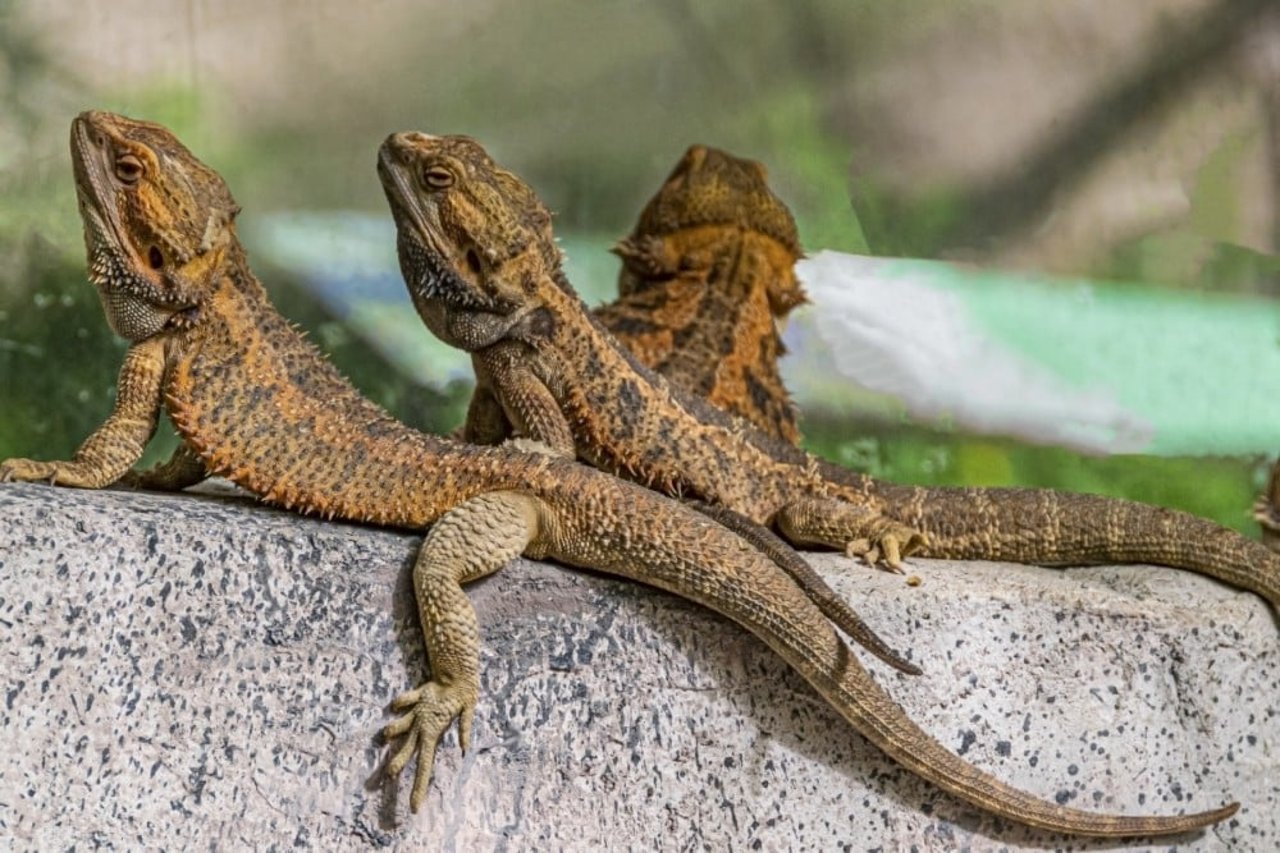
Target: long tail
{"type": "Point", "coordinates": [1051, 528]}
{"type": "Point", "coordinates": [850, 689]}
{"type": "Point", "coordinates": [832, 605]}
{"type": "Point", "coordinates": [717, 570]}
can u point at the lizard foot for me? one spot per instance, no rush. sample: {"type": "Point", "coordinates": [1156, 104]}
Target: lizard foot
{"type": "Point", "coordinates": [1265, 514]}
{"type": "Point", "coordinates": [1268, 517]}
{"type": "Point", "coordinates": [29, 471]}
{"type": "Point", "coordinates": [886, 548]}
{"type": "Point", "coordinates": [432, 708]}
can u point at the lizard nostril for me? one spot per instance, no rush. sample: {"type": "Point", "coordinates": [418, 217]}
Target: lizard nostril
{"type": "Point", "coordinates": [155, 257]}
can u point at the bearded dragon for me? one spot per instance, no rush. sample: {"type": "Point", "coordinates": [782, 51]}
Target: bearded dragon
{"type": "Point", "coordinates": [259, 405]}
{"type": "Point", "coordinates": [477, 253]}
{"type": "Point", "coordinates": [707, 274]}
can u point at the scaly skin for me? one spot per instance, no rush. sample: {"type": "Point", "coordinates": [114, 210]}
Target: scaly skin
{"type": "Point", "coordinates": [258, 404]}
{"type": "Point", "coordinates": [707, 274]}
{"type": "Point", "coordinates": [477, 254]}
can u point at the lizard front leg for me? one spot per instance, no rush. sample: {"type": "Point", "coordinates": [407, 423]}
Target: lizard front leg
{"type": "Point", "coordinates": [474, 539]}
{"type": "Point", "coordinates": [529, 406]}
{"type": "Point", "coordinates": [113, 448]}
{"type": "Point", "coordinates": [859, 531]}
{"type": "Point", "coordinates": [184, 468]}
{"type": "Point", "coordinates": [486, 422]}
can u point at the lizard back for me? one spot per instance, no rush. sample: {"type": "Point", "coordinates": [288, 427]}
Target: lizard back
{"type": "Point", "coordinates": [708, 273]}
{"type": "Point", "coordinates": [264, 408]}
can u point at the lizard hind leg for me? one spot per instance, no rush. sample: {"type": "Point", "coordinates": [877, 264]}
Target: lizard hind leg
{"type": "Point", "coordinates": [474, 539]}
{"type": "Point", "coordinates": [858, 531]}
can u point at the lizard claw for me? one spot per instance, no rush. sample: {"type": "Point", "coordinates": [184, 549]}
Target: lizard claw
{"type": "Point", "coordinates": [431, 710]}
{"type": "Point", "coordinates": [1265, 514]}
{"type": "Point", "coordinates": [887, 547]}
{"type": "Point", "coordinates": [1268, 517]}
{"type": "Point", "coordinates": [28, 471]}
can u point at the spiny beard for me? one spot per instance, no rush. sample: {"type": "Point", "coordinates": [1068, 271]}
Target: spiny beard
{"type": "Point", "coordinates": [430, 279]}
{"type": "Point", "coordinates": [109, 270]}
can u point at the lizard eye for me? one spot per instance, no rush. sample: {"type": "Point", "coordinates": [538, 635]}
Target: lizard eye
{"type": "Point", "coordinates": [128, 168]}
{"type": "Point", "coordinates": [437, 177]}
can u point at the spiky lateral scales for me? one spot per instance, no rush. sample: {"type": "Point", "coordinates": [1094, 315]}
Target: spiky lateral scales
{"type": "Point", "coordinates": [264, 409]}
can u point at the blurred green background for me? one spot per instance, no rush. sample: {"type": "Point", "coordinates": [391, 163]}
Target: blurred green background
{"type": "Point", "coordinates": [1136, 141]}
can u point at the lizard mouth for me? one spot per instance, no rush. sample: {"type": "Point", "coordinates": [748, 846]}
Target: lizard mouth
{"type": "Point", "coordinates": [101, 220]}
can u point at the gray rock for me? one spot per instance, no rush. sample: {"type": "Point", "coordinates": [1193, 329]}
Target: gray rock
{"type": "Point", "coordinates": [186, 672]}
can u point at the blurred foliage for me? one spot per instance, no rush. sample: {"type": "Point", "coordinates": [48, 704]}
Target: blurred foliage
{"type": "Point", "coordinates": [57, 400]}
{"type": "Point", "coordinates": [1218, 488]}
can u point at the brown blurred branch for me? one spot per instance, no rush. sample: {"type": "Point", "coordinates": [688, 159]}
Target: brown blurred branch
{"type": "Point", "coordinates": [1015, 201]}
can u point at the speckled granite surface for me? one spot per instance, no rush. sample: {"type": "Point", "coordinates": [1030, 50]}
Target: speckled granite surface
{"type": "Point", "coordinates": [201, 673]}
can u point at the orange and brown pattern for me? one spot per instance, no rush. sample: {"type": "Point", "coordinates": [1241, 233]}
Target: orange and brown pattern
{"type": "Point", "coordinates": [707, 275]}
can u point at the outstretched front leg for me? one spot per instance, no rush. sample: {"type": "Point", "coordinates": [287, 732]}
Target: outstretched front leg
{"type": "Point", "coordinates": [474, 539]}
{"type": "Point", "coordinates": [113, 448]}
{"type": "Point", "coordinates": [859, 531]}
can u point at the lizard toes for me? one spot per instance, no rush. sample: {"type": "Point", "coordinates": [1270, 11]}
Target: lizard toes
{"type": "Point", "coordinates": [422, 776]}
{"type": "Point", "coordinates": [857, 547]}
{"type": "Point", "coordinates": [407, 699]}
{"type": "Point", "coordinates": [27, 471]}
{"type": "Point", "coordinates": [431, 710]}
{"type": "Point", "coordinates": [400, 760]}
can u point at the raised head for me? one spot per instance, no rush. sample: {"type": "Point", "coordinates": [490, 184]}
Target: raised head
{"type": "Point", "coordinates": [711, 188]}
{"type": "Point", "coordinates": [158, 223]}
{"type": "Point", "coordinates": [473, 239]}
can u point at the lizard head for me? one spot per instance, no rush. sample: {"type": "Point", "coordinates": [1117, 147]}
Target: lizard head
{"type": "Point", "coordinates": [712, 188]}
{"type": "Point", "coordinates": [472, 237]}
{"type": "Point", "coordinates": [157, 222]}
